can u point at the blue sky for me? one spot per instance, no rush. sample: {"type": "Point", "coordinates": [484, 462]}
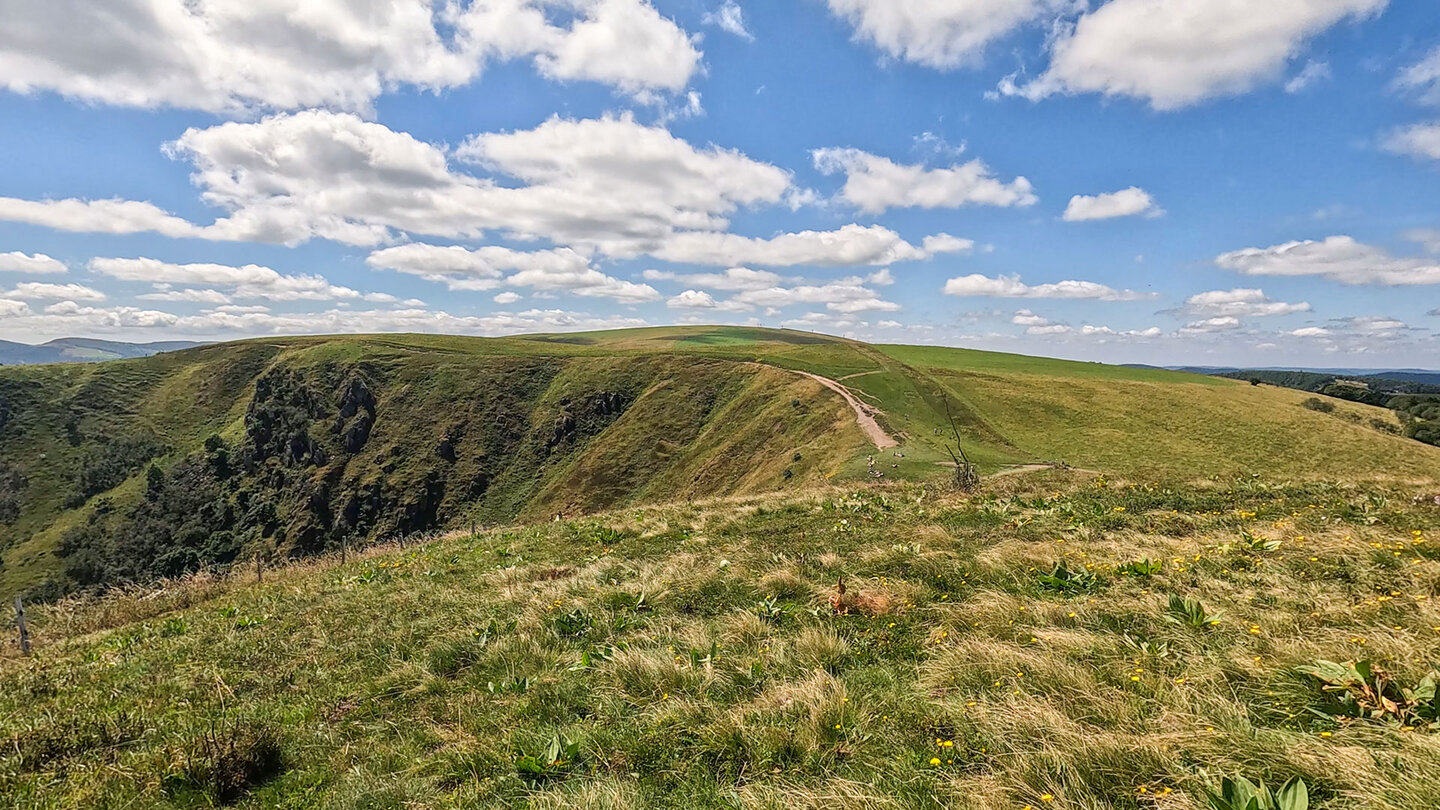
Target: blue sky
{"type": "Point", "coordinates": [1162, 181]}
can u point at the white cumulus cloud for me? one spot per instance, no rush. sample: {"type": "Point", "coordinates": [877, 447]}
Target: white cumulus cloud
{"type": "Point", "coordinates": [847, 295]}
{"type": "Point", "coordinates": [33, 290]}
{"type": "Point", "coordinates": [941, 34]}
{"type": "Point", "coordinates": [1013, 287]}
{"type": "Point", "coordinates": [99, 216]}
{"type": "Point", "coordinates": [608, 182]}
{"type": "Point", "coordinates": [1416, 140]}
{"type": "Point", "coordinates": [288, 178]}
{"type": "Point", "coordinates": [1175, 53]}
{"type": "Point", "coordinates": [692, 299]}
{"type": "Point", "coordinates": [189, 295]}
{"type": "Point", "coordinates": [1123, 203]}
{"type": "Point", "coordinates": [848, 245]}
{"type": "Point", "coordinates": [1338, 258]}
{"type": "Point", "coordinates": [608, 185]}
{"type": "Point", "coordinates": [1025, 317]}
{"type": "Point", "coordinates": [245, 281]}
{"type": "Point", "coordinates": [31, 263]}
{"type": "Point", "coordinates": [1219, 323]}
{"type": "Point", "coordinates": [1040, 326]}
{"type": "Point", "coordinates": [735, 278]}
{"type": "Point", "coordinates": [1240, 303]}
{"type": "Point", "coordinates": [227, 322]}
{"type": "Point", "coordinates": [485, 268]}
{"type": "Point", "coordinates": [874, 183]}
{"type": "Point", "coordinates": [231, 56]}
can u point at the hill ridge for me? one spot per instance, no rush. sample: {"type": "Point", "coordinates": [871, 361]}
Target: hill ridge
{"type": "Point", "coordinates": [152, 466]}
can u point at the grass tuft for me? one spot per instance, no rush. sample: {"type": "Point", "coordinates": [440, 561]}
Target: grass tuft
{"type": "Point", "coordinates": [230, 758]}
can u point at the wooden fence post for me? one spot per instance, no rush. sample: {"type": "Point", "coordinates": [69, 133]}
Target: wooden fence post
{"type": "Point", "coordinates": [20, 622]}
{"type": "Point", "coordinates": [344, 549]}
{"type": "Point", "coordinates": [259, 568]}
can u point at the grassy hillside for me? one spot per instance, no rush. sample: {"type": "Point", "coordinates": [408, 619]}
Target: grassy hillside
{"type": "Point", "coordinates": [137, 468]}
{"type": "Point", "coordinates": [1029, 647]}
{"type": "Point", "coordinates": [1150, 422]}
{"type": "Point", "coordinates": [291, 447]}
{"type": "Point", "coordinates": [1416, 404]}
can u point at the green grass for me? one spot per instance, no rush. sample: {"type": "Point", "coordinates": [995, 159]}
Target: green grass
{"type": "Point", "coordinates": [691, 655]}
{"type": "Point", "coordinates": [664, 646]}
{"type": "Point", "coordinates": [978, 362]}
{"type": "Point", "coordinates": [691, 425]}
{"type": "Point", "coordinates": [707, 419]}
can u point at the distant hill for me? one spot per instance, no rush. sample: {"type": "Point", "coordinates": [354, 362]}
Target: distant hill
{"type": "Point", "coordinates": [1411, 394]}
{"type": "Point", "coordinates": [155, 466]}
{"type": "Point", "coordinates": [82, 350]}
{"type": "Point", "coordinates": [1416, 375]}
{"type": "Point", "coordinates": [1317, 381]}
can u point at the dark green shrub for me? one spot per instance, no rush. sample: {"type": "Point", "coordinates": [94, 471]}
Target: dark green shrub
{"type": "Point", "coordinates": [105, 466]}
{"type": "Point", "coordinates": [1384, 426]}
{"type": "Point", "coordinates": [154, 481]}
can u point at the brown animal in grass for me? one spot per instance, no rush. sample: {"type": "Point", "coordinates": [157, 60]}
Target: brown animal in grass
{"type": "Point", "coordinates": [844, 600]}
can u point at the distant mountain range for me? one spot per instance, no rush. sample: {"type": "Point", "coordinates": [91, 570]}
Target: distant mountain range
{"type": "Point", "coordinates": [82, 350]}
{"type": "Point", "coordinates": [1419, 375]}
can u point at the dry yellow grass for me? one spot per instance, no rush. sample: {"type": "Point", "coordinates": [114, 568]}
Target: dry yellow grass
{"type": "Point", "coordinates": [692, 654]}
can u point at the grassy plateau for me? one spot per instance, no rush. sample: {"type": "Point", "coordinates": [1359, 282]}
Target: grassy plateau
{"type": "Point", "coordinates": [697, 593]}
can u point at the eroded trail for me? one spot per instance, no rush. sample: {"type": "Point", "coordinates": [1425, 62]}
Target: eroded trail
{"type": "Point", "coordinates": [864, 414]}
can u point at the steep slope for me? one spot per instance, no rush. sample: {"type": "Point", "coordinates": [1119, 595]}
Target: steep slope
{"type": "Point", "coordinates": [136, 469]}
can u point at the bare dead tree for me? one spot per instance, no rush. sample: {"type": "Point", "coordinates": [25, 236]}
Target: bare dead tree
{"type": "Point", "coordinates": [967, 478]}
